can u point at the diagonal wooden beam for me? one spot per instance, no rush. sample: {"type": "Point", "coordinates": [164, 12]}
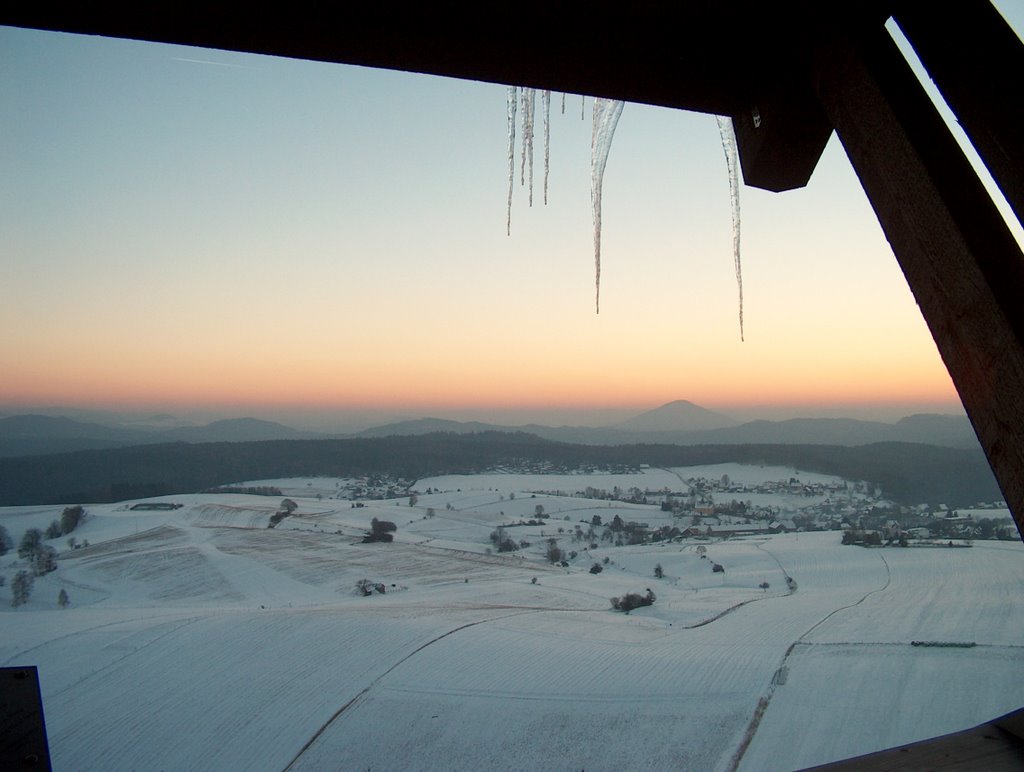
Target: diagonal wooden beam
{"type": "Point", "coordinates": [963, 266]}
{"type": "Point", "coordinates": [976, 60]}
{"type": "Point", "coordinates": [994, 747]}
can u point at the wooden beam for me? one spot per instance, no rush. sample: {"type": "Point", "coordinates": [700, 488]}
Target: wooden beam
{"type": "Point", "coordinates": [783, 129]}
{"type": "Point", "coordinates": [963, 266]}
{"type": "Point", "coordinates": [701, 55]}
{"type": "Point", "coordinates": [994, 747]}
{"type": "Point", "coordinates": [976, 60]}
{"type": "Point", "coordinates": [23, 743]}
{"type": "Point", "coordinates": [780, 138]}
{"type": "Point", "coordinates": [662, 53]}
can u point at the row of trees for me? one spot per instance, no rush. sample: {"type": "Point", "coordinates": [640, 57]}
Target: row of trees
{"type": "Point", "coordinates": [32, 540]}
{"type": "Point", "coordinates": [505, 543]}
{"type": "Point", "coordinates": [42, 558]}
{"type": "Point", "coordinates": [70, 519]}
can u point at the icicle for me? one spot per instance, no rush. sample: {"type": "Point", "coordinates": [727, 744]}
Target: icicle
{"type": "Point", "coordinates": [547, 140]}
{"type": "Point", "coordinates": [732, 164]}
{"type": "Point", "coordinates": [528, 138]}
{"type": "Point", "coordinates": [606, 117]}
{"type": "Point", "coordinates": [563, 103]}
{"type": "Point", "coordinates": [512, 99]}
{"type": "Point", "coordinates": [583, 106]}
{"type": "Point", "coordinates": [526, 126]}
{"type": "Point", "coordinates": [528, 106]}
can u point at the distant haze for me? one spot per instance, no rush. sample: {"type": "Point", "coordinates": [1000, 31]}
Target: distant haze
{"type": "Point", "coordinates": [346, 420]}
{"type": "Point", "coordinates": [327, 420]}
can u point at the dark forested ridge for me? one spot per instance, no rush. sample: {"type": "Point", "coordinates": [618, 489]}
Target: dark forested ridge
{"type": "Point", "coordinates": [905, 472]}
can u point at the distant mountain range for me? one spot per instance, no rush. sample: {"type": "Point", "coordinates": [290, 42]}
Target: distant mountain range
{"type": "Point", "coordinates": [676, 423]}
{"type": "Point", "coordinates": [928, 429]}
{"type": "Point", "coordinates": [239, 430]}
{"type": "Point", "coordinates": [33, 435]}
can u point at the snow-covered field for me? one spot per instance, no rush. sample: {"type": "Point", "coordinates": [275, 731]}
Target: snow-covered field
{"type": "Point", "coordinates": [200, 639]}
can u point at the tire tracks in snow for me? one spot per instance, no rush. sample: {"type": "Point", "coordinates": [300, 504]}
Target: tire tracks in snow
{"type": "Point", "coordinates": [340, 711]}
{"type": "Point", "coordinates": [780, 672]}
{"type": "Point", "coordinates": [173, 615]}
{"type": "Point", "coordinates": [888, 579]}
{"type": "Point", "coordinates": [183, 623]}
{"type": "Point", "coordinates": [741, 604]}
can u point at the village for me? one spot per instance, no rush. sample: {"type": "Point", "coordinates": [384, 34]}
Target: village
{"type": "Point", "coordinates": [719, 507]}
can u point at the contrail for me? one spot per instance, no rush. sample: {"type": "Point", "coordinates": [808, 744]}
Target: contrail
{"type": "Point", "coordinates": [218, 64]}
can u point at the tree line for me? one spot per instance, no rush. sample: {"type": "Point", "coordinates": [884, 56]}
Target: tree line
{"type": "Point", "coordinates": [906, 472]}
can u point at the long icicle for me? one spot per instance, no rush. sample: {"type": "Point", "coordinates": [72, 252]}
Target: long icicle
{"type": "Point", "coordinates": [547, 140]}
{"type": "Point", "coordinates": [532, 107]}
{"type": "Point", "coordinates": [606, 118]}
{"type": "Point", "coordinates": [526, 123]}
{"type": "Point", "coordinates": [511, 100]}
{"type": "Point", "coordinates": [732, 164]}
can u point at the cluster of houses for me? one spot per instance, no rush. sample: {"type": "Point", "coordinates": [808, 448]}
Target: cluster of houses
{"type": "Point", "coordinates": [373, 487]}
{"type": "Point", "coordinates": [943, 526]}
{"type": "Point", "coordinates": [722, 508]}
{"type": "Point", "coordinates": [857, 509]}
{"type": "Point", "coordinates": [724, 530]}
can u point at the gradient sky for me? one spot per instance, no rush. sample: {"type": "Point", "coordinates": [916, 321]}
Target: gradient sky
{"type": "Point", "coordinates": [200, 230]}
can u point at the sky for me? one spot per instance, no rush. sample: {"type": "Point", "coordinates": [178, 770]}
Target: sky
{"type": "Point", "coordinates": [210, 233]}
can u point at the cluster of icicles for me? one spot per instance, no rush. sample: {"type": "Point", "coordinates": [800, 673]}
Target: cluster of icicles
{"type": "Point", "coordinates": [606, 115]}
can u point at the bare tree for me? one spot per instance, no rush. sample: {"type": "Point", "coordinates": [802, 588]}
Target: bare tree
{"type": "Point", "coordinates": [70, 518]}
{"type": "Point", "coordinates": [43, 560]}
{"type": "Point", "coordinates": [30, 542]}
{"type": "Point", "coordinates": [21, 588]}
{"type": "Point", "coordinates": [554, 554]}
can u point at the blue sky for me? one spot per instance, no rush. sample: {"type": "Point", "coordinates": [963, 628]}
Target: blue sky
{"type": "Point", "coordinates": [195, 230]}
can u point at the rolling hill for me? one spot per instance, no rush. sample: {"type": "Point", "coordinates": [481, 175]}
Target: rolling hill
{"type": "Point", "coordinates": [198, 638]}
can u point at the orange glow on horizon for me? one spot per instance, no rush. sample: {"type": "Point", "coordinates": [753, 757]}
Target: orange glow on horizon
{"type": "Point", "coordinates": [626, 391]}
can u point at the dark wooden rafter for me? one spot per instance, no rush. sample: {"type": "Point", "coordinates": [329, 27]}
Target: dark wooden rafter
{"type": "Point", "coordinates": [782, 128]}
{"type": "Point", "coordinates": [997, 746]}
{"type": "Point", "coordinates": [980, 79]}
{"type": "Point", "coordinates": [713, 57]}
{"type": "Point", "coordinates": [781, 135]}
{"type": "Point", "coordinates": [651, 52]}
{"type": "Point", "coordinates": [960, 260]}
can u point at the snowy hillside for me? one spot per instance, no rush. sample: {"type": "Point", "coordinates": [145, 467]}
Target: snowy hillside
{"type": "Point", "coordinates": [198, 638]}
